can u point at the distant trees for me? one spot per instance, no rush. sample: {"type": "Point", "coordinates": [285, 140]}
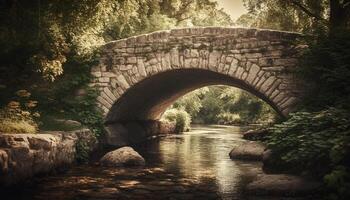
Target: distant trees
{"type": "Point", "coordinates": [225, 105]}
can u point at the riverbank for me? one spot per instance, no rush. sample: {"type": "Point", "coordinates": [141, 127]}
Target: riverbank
{"type": "Point", "coordinates": [23, 156]}
{"type": "Point", "coordinates": [270, 184]}
{"type": "Point", "coordinates": [168, 172]}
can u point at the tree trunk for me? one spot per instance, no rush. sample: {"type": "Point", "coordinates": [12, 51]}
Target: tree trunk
{"type": "Point", "coordinates": [339, 16]}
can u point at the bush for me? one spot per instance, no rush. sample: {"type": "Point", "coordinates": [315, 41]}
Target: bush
{"type": "Point", "coordinates": [180, 117]}
{"type": "Point", "coordinates": [316, 144]}
{"type": "Point", "coordinates": [62, 99]}
{"type": "Point", "coordinates": [82, 152]}
{"type": "Point", "coordinates": [312, 142]}
{"type": "Point", "coordinates": [229, 118]}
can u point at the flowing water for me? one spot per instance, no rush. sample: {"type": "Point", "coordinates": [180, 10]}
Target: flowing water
{"type": "Point", "coordinates": [193, 165]}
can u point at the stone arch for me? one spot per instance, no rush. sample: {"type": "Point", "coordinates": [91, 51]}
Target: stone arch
{"type": "Point", "coordinates": [259, 61]}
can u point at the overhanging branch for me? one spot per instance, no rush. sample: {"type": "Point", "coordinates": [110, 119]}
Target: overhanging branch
{"type": "Point", "coordinates": [302, 7]}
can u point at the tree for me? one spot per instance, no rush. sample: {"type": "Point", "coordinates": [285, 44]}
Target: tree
{"type": "Point", "coordinates": [191, 102]}
{"type": "Point", "coordinates": [39, 38]}
{"type": "Point", "coordinates": [298, 15]}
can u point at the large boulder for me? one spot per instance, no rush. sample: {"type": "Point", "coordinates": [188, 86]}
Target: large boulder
{"type": "Point", "coordinates": [281, 185]}
{"type": "Point", "coordinates": [272, 163]}
{"type": "Point", "coordinates": [255, 135]}
{"type": "Point", "coordinates": [23, 156]}
{"type": "Point", "coordinates": [125, 156]}
{"type": "Point", "coordinates": [248, 150]}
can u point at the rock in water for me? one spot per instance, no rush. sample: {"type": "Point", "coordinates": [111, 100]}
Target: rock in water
{"type": "Point", "coordinates": [281, 185]}
{"type": "Point", "coordinates": [273, 164]}
{"type": "Point", "coordinates": [125, 156]}
{"type": "Point", "coordinates": [248, 151]}
{"type": "Point", "coordinates": [255, 134]}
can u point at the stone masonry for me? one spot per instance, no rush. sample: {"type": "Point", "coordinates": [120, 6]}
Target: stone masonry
{"type": "Point", "coordinates": [263, 59]}
{"type": "Point", "coordinates": [23, 156]}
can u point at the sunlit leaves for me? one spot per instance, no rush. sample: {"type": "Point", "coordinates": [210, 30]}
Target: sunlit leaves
{"type": "Point", "coordinates": [227, 105]}
{"type": "Point", "coordinates": [284, 15]}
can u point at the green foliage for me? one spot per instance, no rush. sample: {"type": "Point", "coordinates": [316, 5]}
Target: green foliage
{"type": "Point", "coordinates": [225, 105]}
{"type": "Point", "coordinates": [191, 102]}
{"type": "Point", "coordinates": [82, 152]}
{"type": "Point", "coordinates": [281, 15]}
{"type": "Point", "coordinates": [315, 143]}
{"type": "Point", "coordinates": [39, 37]}
{"type": "Point", "coordinates": [229, 118]}
{"type": "Point", "coordinates": [49, 46]}
{"type": "Point", "coordinates": [310, 142]}
{"type": "Point", "coordinates": [307, 16]}
{"type": "Point", "coordinates": [338, 183]}
{"type": "Point", "coordinates": [299, 16]}
{"type": "Point", "coordinates": [326, 69]}
{"type": "Point", "coordinates": [212, 106]}
{"type": "Point", "coordinates": [69, 97]}
{"type": "Point", "coordinates": [250, 108]}
{"type": "Point", "coordinates": [180, 117]}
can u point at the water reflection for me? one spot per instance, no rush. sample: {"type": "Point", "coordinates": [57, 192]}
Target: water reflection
{"type": "Point", "coordinates": [193, 165]}
{"type": "Point", "coordinates": [202, 155]}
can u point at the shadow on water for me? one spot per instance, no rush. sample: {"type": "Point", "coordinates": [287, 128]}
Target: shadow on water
{"type": "Point", "coordinates": [193, 165]}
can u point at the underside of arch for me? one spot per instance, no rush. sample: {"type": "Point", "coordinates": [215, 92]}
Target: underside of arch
{"type": "Point", "coordinates": [149, 98]}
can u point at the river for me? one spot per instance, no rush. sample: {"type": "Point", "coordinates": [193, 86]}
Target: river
{"type": "Point", "coordinates": [192, 165]}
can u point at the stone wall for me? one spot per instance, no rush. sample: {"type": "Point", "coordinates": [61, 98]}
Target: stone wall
{"type": "Point", "coordinates": [23, 156]}
{"type": "Point", "coordinates": [263, 60]}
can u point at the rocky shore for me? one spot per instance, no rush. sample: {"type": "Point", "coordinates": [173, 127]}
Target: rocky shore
{"type": "Point", "coordinates": [273, 183]}
{"type": "Point", "coordinates": [23, 156]}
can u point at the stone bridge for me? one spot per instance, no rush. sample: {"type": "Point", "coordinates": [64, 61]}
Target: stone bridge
{"type": "Point", "coordinates": [139, 77]}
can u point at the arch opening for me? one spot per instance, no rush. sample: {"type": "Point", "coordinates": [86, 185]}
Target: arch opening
{"type": "Point", "coordinates": [148, 99]}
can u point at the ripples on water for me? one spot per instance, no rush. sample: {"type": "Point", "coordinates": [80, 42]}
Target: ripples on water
{"type": "Point", "coordinates": [193, 165]}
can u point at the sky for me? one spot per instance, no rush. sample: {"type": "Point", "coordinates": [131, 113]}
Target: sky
{"type": "Point", "coordinates": [234, 8]}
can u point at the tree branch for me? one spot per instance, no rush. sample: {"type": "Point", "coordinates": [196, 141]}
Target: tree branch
{"type": "Point", "coordinates": [306, 10]}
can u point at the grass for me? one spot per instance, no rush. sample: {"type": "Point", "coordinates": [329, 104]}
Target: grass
{"type": "Point", "coordinates": [21, 126]}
